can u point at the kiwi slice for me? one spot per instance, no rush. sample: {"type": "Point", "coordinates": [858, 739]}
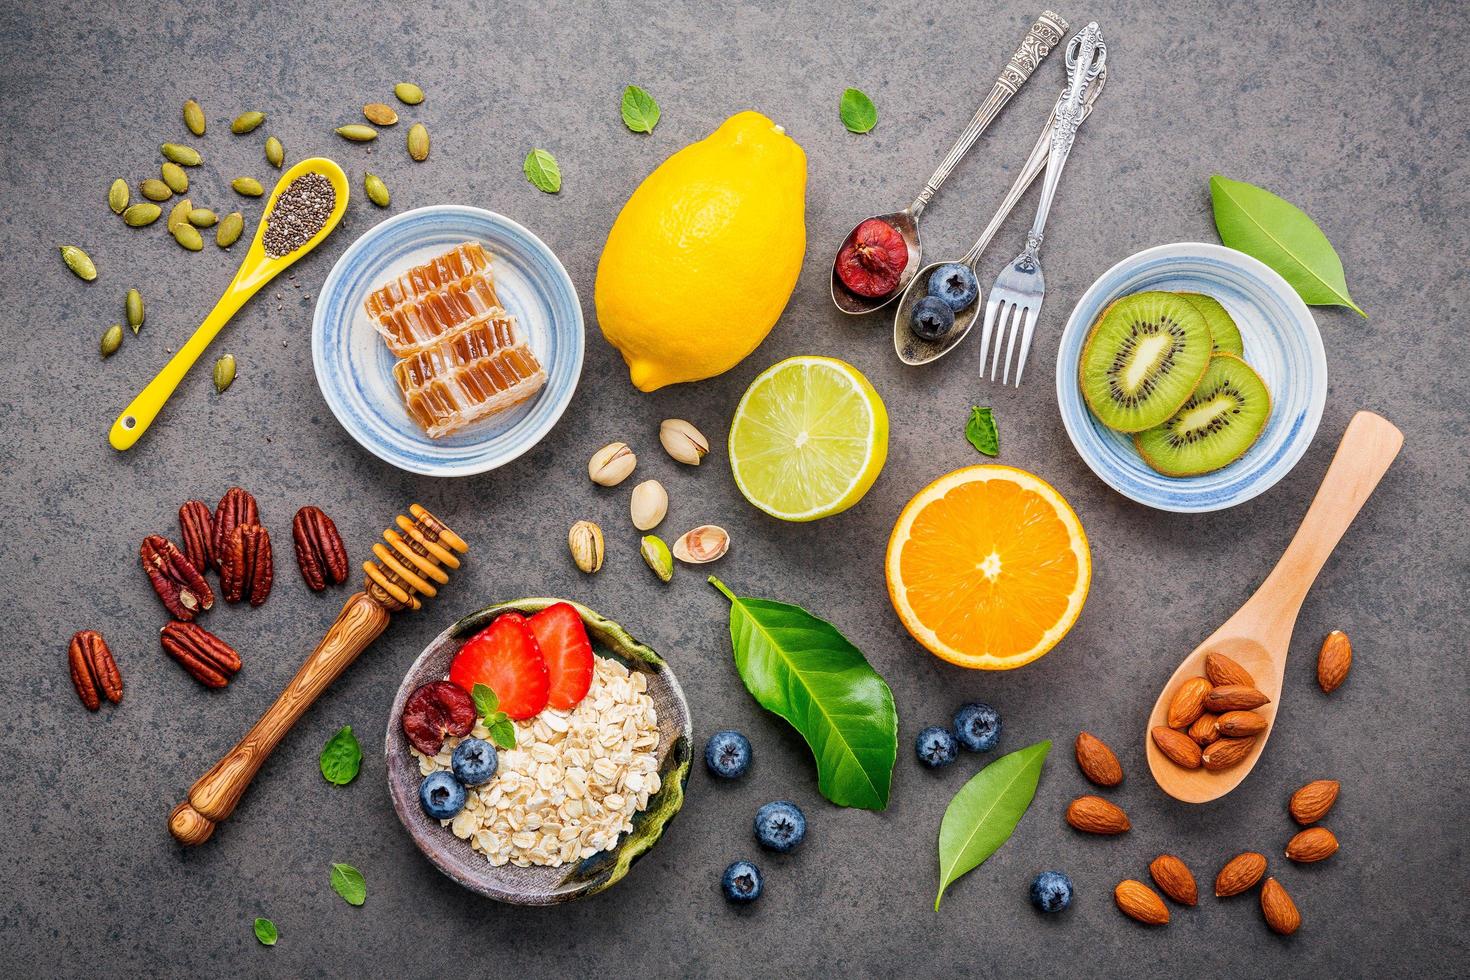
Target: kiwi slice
{"type": "Point", "coordinates": [1220, 421]}
{"type": "Point", "coordinates": [1144, 356]}
{"type": "Point", "coordinates": [1222, 325]}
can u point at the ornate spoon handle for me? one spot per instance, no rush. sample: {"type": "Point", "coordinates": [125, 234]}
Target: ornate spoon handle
{"type": "Point", "coordinates": [1044, 35]}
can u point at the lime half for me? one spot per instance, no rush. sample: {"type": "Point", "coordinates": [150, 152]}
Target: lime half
{"type": "Point", "coordinates": [808, 439]}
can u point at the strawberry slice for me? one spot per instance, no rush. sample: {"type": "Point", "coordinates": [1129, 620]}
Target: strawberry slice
{"type": "Point", "coordinates": [563, 642]}
{"type": "Point", "coordinates": [504, 657]}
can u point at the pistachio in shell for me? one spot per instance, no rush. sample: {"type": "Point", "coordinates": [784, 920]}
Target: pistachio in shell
{"type": "Point", "coordinates": [408, 93]}
{"type": "Point", "coordinates": [140, 214]}
{"type": "Point", "coordinates": [188, 236]}
{"type": "Point", "coordinates": [248, 186]}
{"type": "Point", "coordinates": [224, 373]}
{"type": "Point", "coordinates": [194, 117]}
{"type": "Point", "coordinates": [134, 306]}
{"type": "Point", "coordinates": [357, 132]}
{"type": "Point", "coordinates": [111, 340]}
{"type": "Point", "coordinates": [155, 189]}
{"type": "Point", "coordinates": [174, 177]}
{"type": "Point", "coordinates": [246, 122]}
{"type": "Point", "coordinates": [379, 114]}
{"type": "Point", "coordinates": [377, 191]}
{"type": "Point", "coordinates": [184, 156]}
{"type": "Point", "coordinates": [227, 232]}
{"type": "Point", "coordinates": [275, 152]}
{"type": "Point", "coordinates": [118, 196]}
{"type": "Point", "coordinates": [418, 142]}
{"type": "Point", "coordinates": [79, 262]}
{"type": "Point", "coordinates": [203, 218]}
{"type": "Point", "coordinates": [179, 214]}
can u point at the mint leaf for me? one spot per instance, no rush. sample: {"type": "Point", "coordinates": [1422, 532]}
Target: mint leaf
{"type": "Point", "coordinates": [348, 882]}
{"type": "Point", "coordinates": [640, 112]}
{"type": "Point", "coordinates": [341, 757]}
{"type": "Point", "coordinates": [857, 111]}
{"type": "Point", "coordinates": [503, 732]}
{"type": "Point", "coordinates": [981, 432]}
{"type": "Point", "coordinates": [542, 171]}
{"type": "Point", "coordinates": [265, 931]}
{"type": "Point", "coordinates": [486, 702]}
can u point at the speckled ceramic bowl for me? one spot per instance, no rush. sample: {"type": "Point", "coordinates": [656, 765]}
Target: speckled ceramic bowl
{"type": "Point", "coordinates": [1281, 343]}
{"type": "Point", "coordinates": [543, 886]}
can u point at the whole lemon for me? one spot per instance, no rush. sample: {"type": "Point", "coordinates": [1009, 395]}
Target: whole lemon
{"type": "Point", "coordinates": [702, 259]}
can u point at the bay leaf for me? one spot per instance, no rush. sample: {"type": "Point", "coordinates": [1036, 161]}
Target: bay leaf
{"type": "Point", "coordinates": [984, 813]}
{"type": "Point", "coordinates": [1266, 227]}
{"type": "Point", "coordinates": [640, 111]}
{"type": "Point", "coordinates": [801, 668]}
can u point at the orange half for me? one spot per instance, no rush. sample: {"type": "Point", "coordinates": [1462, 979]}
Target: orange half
{"type": "Point", "coordinates": [988, 567]}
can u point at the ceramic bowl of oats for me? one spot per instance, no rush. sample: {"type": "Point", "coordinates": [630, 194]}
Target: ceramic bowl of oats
{"type": "Point", "coordinates": [552, 788]}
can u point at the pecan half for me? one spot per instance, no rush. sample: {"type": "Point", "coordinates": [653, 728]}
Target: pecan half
{"type": "Point", "coordinates": [248, 569]}
{"type": "Point", "coordinates": [207, 658]}
{"type": "Point", "coordinates": [179, 584]}
{"type": "Point", "coordinates": [319, 549]}
{"type": "Point", "coordinates": [196, 531]}
{"type": "Point", "coordinates": [236, 507]}
{"type": "Point", "coordinates": [93, 671]}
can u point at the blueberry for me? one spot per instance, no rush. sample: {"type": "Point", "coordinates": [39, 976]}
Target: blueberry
{"type": "Point", "coordinates": [441, 795]}
{"type": "Point", "coordinates": [780, 826]}
{"type": "Point", "coordinates": [932, 318]}
{"type": "Point", "coordinates": [955, 284]}
{"type": "Point", "coordinates": [727, 754]}
{"type": "Point", "coordinates": [1051, 891]}
{"type": "Point", "coordinates": [474, 761]}
{"type": "Point", "coordinates": [978, 726]}
{"type": "Point", "coordinates": [742, 882]}
{"type": "Point", "coordinates": [936, 746]}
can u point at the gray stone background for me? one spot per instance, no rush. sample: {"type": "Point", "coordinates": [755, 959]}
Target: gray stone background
{"type": "Point", "coordinates": [1356, 111]}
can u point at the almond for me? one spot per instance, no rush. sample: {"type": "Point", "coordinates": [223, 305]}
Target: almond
{"type": "Point", "coordinates": [1097, 761]}
{"type": "Point", "coordinates": [1179, 747]}
{"type": "Point", "coordinates": [1140, 902]}
{"type": "Point", "coordinates": [1241, 724]}
{"type": "Point", "coordinates": [1311, 803]}
{"type": "Point", "coordinates": [1188, 702]}
{"type": "Point", "coordinates": [1240, 873]}
{"type": "Point", "coordinates": [1095, 815]}
{"type": "Point", "coordinates": [1278, 908]}
{"type": "Point", "coordinates": [1225, 753]}
{"type": "Point", "coordinates": [1224, 672]}
{"type": "Point", "coordinates": [1312, 844]}
{"type": "Point", "coordinates": [1234, 697]}
{"type": "Point", "coordinates": [1333, 661]}
{"type": "Point", "coordinates": [1206, 729]}
{"type": "Point", "coordinates": [1174, 879]}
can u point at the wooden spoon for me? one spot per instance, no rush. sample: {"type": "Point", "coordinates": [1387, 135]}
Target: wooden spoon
{"type": "Point", "coordinates": [1259, 634]}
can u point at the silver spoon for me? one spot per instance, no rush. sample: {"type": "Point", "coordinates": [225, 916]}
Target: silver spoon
{"type": "Point", "coordinates": [1044, 35]}
{"type": "Point", "coordinates": [915, 350]}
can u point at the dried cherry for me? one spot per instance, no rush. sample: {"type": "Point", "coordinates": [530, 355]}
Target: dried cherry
{"type": "Point", "coordinates": [872, 259]}
{"type": "Point", "coordinates": [436, 710]}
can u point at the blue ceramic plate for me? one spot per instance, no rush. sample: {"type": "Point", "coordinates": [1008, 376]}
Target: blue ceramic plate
{"type": "Point", "coordinates": [355, 368]}
{"type": "Point", "coordinates": [1281, 343]}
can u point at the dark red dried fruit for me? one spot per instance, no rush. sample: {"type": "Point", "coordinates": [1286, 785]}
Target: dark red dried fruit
{"type": "Point", "coordinates": [435, 711]}
{"type": "Point", "coordinates": [872, 259]}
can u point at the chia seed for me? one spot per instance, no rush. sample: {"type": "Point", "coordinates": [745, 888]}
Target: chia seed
{"type": "Point", "coordinates": [299, 214]}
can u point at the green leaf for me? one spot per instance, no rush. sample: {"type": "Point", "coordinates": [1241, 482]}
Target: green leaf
{"type": "Point", "coordinates": [265, 931]}
{"type": "Point", "coordinates": [341, 757]}
{"type": "Point", "coordinates": [348, 882]}
{"type": "Point", "coordinates": [487, 703]}
{"type": "Point", "coordinates": [541, 170]}
{"type": "Point", "coordinates": [857, 111]}
{"type": "Point", "coordinates": [640, 112]}
{"type": "Point", "coordinates": [985, 811]}
{"type": "Point", "coordinates": [503, 732]}
{"type": "Point", "coordinates": [1280, 234]}
{"type": "Point", "coordinates": [804, 670]}
{"type": "Point", "coordinates": [981, 432]}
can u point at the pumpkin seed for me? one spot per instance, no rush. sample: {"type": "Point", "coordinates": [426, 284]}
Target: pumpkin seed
{"type": "Point", "coordinates": [357, 132]}
{"type": "Point", "coordinates": [202, 218]}
{"type": "Point", "coordinates": [275, 153]}
{"type": "Point", "coordinates": [418, 142]}
{"type": "Point", "coordinates": [184, 156]}
{"type": "Point", "coordinates": [229, 229]}
{"type": "Point", "coordinates": [188, 236]}
{"type": "Point", "coordinates": [248, 186]}
{"type": "Point", "coordinates": [377, 191]}
{"type": "Point", "coordinates": [117, 196]}
{"type": "Point", "coordinates": [179, 214]}
{"type": "Point", "coordinates": [408, 93]}
{"type": "Point", "coordinates": [174, 177]}
{"type": "Point", "coordinates": [246, 121]}
{"type": "Point", "coordinates": [224, 373]}
{"type": "Point", "coordinates": [194, 117]}
{"type": "Point", "coordinates": [79, 262]}
{"type": "Point", "coordinates": [134, 306]}
{"type": "Point", "coordinates": [111, 340]}
{"type": "Point", "coordinates": [138, 215]}
{"type": "Point", "coordinates": [155, 189]}
{"type": "Point", "coordinates": [380, 114]}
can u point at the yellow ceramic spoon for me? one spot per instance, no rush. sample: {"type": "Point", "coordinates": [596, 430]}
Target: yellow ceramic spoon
{"type": "Point", "coordinates": [255, 271]}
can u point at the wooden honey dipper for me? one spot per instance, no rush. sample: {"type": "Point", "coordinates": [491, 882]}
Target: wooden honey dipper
{"type": "Point", "coordinates": [410, 565]}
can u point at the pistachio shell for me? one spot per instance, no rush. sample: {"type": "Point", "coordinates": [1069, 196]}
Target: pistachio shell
{"type": "Point", "coordinates": [155, 189]}
{"type": "Point", "coordinates": [248, 186]}
{"type": "Point", "coordinates": [111, 340]}
{"type": "Point", "coordinates": [134, 306]}
{"type": "Point", "coordinates": [379, 114]}
{"type": "Point", "coordinates": [228, 231]}
{"type": "Point", "coordinates": [224, 372]}
{"type": "Point", "coordinates": [179, 214]}
{"type": "Point", "coordinates": [357, 132]}
{"type": "Point", "coordinates": [246, 121]}
{"type": "Point", "coordinates": [79, 262]}
{"type": "Point", "coordinates": [194, 117]}
{"type": "Point", "coordinates": [138, 215]}
{"type": "Point", "coordinates": [174, 177]}
{"type": "Point", "coordinates": [377, 191]}
{"type": "Point", "coordinates": [184, 156]}
{"type": "Point", "coordinates": [275, 152]}
{"type": "Point", "coordinates": [117, 196]}
{"type": "Point", "coordinates": [656, 556]}
{"type": "Point", "coordinates": [188, 236]}
{"type": "Point", "coordinates": [408, 93]}
{"type": "Point", "coordinates": [418, 142]}
{"type": "Point", "coordinates": [704, 544]}
{"type": "Point", "coordinates": [202, 218]}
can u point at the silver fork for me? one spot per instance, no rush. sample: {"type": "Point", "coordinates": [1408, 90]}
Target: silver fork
{"type": "Point", "coordinates": [1016, 297]}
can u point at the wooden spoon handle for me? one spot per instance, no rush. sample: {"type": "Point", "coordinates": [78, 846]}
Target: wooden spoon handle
{"type": "Point", "coordinates": [215, 795]}
{"type": "Point", "coordinates": [1364, 455]}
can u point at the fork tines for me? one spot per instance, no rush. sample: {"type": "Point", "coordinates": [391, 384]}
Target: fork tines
{"type": "Point", "coordinates": [1014, 316]}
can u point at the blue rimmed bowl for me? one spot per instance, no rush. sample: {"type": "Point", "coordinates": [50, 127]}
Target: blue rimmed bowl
{"type": "Point", "coordinates": [1281, 343]}
{"type": "Point", "coordinates": [354, 368]}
